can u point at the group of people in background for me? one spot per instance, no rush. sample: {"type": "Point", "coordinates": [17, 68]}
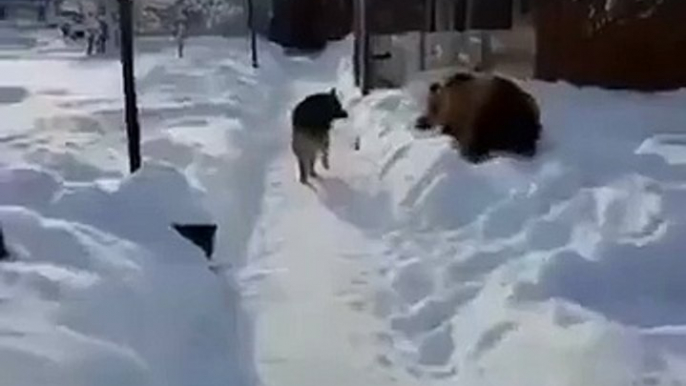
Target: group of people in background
{"type": "Point", "coordinates": [98, 30]}
{"type": "Point", "coordinates": [97, 34]}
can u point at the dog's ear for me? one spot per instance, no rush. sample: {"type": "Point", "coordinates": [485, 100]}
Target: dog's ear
{"type": "Point", "coordinates": [333, 91]}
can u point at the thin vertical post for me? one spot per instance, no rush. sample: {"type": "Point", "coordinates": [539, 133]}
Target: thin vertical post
{"type": "Point", "coordinates": [429, 9]}
{"type": "Point", "coordinates": [466, 42]}
{"type": "Point", "coordinates": [486, 51]}
{"type": "Point", "coordinates": [422, 36]}
{"type": "Point", "coordinates": [130, 104]}
{"type": "Point", "coordinates": [253, 35]}
{"type": "Point", "coordinates": [357, 72]}
{"type": "Point", "coordinates": [365, 69]}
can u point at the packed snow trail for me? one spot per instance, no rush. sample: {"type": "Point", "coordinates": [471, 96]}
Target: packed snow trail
{"type": "Point", "coordinates": [314, 323]}
{"type": "Point", "coordinates": [309, 331]}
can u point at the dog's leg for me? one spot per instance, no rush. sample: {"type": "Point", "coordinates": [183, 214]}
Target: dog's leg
{"type": "Point", "coordinates": [325, 153]}
{"type": "Point", "coordinates": [310, 157]}
{"type": "Point", "coordinates": [310, 162]}
{"type": "Point", "coordinates": [302, 170]}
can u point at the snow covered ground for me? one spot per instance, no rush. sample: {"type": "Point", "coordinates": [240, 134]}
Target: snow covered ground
{"type": "Point", "coordinates": [406, 266]}
{"type": "Point", "coordinates": [563, 271]}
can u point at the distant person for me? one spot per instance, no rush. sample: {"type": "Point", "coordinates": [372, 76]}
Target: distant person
{"type": "Point", "coordinates": [180, 33]}
{"type": "Point", "coordinates": [92, 28]}
{"type": "Point", "coordinates": [66, 30]}
{"type": "Point", "coordinates": [115, 29]}
{"type": "Point", "coordinates": [103, 35]}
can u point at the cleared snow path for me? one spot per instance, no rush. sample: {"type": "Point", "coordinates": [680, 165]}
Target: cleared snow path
{"type": "Point", "coordinates": [314, 324]}
{"type": "Point", "coordinates": [312, 329]}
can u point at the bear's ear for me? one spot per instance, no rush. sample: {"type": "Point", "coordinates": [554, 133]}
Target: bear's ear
{"type": "Point", "coordinates": [434, 87]}
{"type": "Point", "coordinates": [333, 91]}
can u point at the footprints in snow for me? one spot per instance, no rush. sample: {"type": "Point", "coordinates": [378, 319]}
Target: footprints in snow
{"type": "Point", "coordinates": [424, 296]}
{"type": "Point", "coordinates": [492, 337]}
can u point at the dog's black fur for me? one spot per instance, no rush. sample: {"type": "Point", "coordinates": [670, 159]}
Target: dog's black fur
{"type": "Point", "coordinates": [311, 120]}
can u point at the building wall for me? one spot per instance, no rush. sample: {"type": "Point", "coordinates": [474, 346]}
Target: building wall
{"type": "Point", "coordinates": [400, 16]}
{"type": "Point", "coordinates": [26, 10]}
{"type": "Point", "coordinates": [642, 49]}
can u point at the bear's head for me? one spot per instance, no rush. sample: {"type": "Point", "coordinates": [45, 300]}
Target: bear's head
{"type": "Point", "coordinates": [429, 119]}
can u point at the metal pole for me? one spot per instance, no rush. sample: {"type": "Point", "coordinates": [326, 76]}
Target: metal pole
{"type": "Point", "coordinates": [357, 48]}
{"type": "Point", "coordinates": [469, 8]}
{"type": "Point", "coordinates": [364, 46]}
{"type": "Point", "coordinates": [422, 35]}
{"type": "Point", "coordinates": [130, 105]}
{"type": "Point", "coordinates": [253, 36]}
{"type": "Point", "coordinates": [486, 50]}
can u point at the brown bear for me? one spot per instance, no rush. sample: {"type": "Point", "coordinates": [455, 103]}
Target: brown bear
{"type": "Point", "coordinates": [484, 114]}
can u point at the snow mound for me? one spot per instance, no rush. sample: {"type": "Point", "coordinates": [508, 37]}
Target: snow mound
{"type": "Point", "coordinates": [96, 267]}
{"type": "Point", "coordinates": [100, 289]}
{"type": "Point", "coordinates": [551, 271]}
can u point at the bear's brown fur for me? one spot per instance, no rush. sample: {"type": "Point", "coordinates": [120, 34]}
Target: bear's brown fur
{"type": "Point", "coordinates": [484, 114]}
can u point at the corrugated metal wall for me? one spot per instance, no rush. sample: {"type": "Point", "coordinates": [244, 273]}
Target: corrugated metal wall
{"type": "Point", "coordinates": [296, 21]}
{"type": "Point", "coordinates": [399, 16]}
{"type": "Point", "coordinates": [645, 51]}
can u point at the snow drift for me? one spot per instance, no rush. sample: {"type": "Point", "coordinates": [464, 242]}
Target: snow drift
{"type": "Point", "coordinates": [99, 288]}
{"type": "Point", "coordinates": [561, 271]}
{"type": "Point", "coordinates": [102, 291]}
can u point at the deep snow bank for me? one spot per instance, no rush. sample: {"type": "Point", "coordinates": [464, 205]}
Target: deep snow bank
{"type": "Point", "coordinates": [211, 119]}
{"type": "Point", "coordinates": [102, 291]}
{"type": "Point", "coordinates": [551, 272]}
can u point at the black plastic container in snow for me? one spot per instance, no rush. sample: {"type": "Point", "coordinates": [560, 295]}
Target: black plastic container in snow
{"type": "Point", "coordinates": [4, 254]}
{"type": "Point", "coordinates": [202, 235]}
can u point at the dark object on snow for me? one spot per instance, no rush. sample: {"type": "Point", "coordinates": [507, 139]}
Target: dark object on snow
{"type": "Point", "coordinates": [484, 114]}
{"type": "Point", "coordinates": [307, 25]}
{"type": "Point", "coordinates": [4, 254]}
{"type": "Point", "coordinates": [311, 124]}
{"type": "Point", "coordinates": [202, 235]}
